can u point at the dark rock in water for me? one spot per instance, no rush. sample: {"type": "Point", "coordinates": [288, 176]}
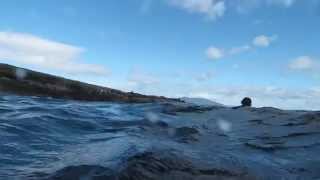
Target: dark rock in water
{"type": "Point", "coordinates": [246, 102]}
{"type": "Point", "coordinates": [30, 83]}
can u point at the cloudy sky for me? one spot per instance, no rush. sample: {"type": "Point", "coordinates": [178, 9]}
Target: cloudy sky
{"type": "Point", "coordinates": [217, 49]}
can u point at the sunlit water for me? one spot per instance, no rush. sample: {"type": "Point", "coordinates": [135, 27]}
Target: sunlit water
{"type": "Point", "coordinates": [41, 135]}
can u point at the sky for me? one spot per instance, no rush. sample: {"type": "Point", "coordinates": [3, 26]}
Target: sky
{"type": "Point", "coordinates": [222, 50]}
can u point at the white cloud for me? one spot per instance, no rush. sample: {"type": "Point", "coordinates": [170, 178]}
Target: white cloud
{"type": "Point", "coordinates": [211, 8]}
{"type": "Point", "coordinates": [214, 9]}
{"type": "Point", "coordinates": [36, 51]}
{"type": "Point", "coordinates": [280, 97]}
{"type": "Point", "coordinates": [303, 63]}
{"type": "Point", "coordinates": [286, 98]}
{"type": "Point", "coordinates": [244, 6]}
{"type": "Point", "coordinates": [241, 49]}
{"type": "Point", "coordinates": [214, 53]}
{"type": "Point", "coordinates": [263, 40]}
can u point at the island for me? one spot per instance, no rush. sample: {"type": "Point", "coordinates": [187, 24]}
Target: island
{"type": "Point", "coordinates": [25, 82]}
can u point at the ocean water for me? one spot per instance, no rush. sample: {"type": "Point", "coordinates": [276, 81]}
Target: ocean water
{"type": "Point", "coordinates": [42, 135]}
{"type": "Point", "coordinates": [43, 138]}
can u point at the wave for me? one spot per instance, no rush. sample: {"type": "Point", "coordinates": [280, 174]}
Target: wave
{"type": "Point", "coordinates": [43, 138]}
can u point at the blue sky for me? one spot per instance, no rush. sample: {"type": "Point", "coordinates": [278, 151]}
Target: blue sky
{"type": "Point", "coordinates": [217, 49]}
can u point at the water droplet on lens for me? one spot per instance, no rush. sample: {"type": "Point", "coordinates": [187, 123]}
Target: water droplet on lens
{"type": "Point", "coordinates": [21, 73]}
{"type": "Point", "coordinates": [224, 125]}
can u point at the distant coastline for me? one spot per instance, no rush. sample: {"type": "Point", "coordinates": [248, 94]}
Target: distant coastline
{"type": "Point", "coordinates": [20, 81]}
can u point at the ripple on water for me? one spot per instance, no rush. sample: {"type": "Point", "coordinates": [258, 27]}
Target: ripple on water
{"type": "Point", "coordinates": [42, 137]}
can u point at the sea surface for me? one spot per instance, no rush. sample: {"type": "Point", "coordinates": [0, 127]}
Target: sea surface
{"type": "Point", "coordinates": [44, 138]}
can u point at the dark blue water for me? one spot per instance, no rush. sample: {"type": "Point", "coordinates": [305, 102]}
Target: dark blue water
{"type": "Point", "coordinates": [43, 136]}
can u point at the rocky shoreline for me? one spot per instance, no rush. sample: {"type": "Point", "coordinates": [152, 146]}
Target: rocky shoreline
{"type": "Point", "coordinates": [15, 80]}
